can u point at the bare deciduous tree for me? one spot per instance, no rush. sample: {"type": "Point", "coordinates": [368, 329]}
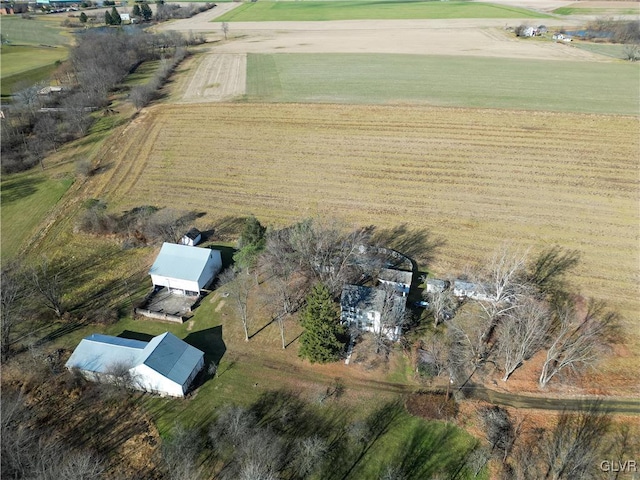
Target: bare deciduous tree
{"type": "Point", "coordinates": [48, 285]}
{"type": "Point", "coordinates": [499, 430]}
{"type": "Point", "coordinates": [239, 286]}
{"type": "Point", "coordinates": [578, 340]}
{"type": "Point", "coordinates": [180, 453]}
{"type": "Point", "coordinates": [12, 290]}
{"type": "Point", "coordinates": [522, 332]}
{"type": "Point", "coordinates": [392, 317]}
{"type": "Point", "coordinates": [442, 305]}
{"type": "Point", "coordinates": [225, 29]}
{"type": "Point", "coordinates": [571, 449]}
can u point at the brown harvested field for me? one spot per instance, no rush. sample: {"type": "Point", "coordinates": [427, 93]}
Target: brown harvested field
{"type": "Point", "coordinates": [217, 77]}
{"type": "Point", "coordinates": [475, 178]}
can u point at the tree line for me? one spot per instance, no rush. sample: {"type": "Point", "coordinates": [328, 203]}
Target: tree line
{"type": "Point", "coordinates": [526, 308]}
{"type": "Point", "coordinates": [38, 123]}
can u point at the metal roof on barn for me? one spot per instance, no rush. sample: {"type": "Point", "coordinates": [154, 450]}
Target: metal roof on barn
{"type": "Point", "coordinates": [180, 261]}
{"type": "Point", "coordinates": [166, 354]}
{"type": "Point", "coordinates": [171, 357]}
{"type": "Point", "coordinates": [98, 353]}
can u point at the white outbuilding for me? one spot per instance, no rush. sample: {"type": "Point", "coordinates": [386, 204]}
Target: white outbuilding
{"type": "Point", "coordinates": [185, 270]}
{"type": "Point", "coordinates": [165, 365]}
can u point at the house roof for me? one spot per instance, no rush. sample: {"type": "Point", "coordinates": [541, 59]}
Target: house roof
{"type": "Point", "coordinates": [180, 261]}
{"type": "Point", "coordinates": [396, 276]}
{"type": "Point", "coordinates": [166, 354]}
{"type": "Point", "coordinates": [171, 357]}
{"type": "Point", "coordinates": [362, 298]}
{"type": "Point", "coordinates": [192, 233]}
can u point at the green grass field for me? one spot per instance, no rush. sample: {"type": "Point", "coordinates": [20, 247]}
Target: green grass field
{"type": "Point", "coordinates": [34, 48]}
{"type": "Point", "coordinates": [596, 11]}
{"type": "Point", "coordinates": [613, 50]}
{"type": "Point", "coordinates": [370, 10]}
{"type": "Point", "coordinates": [18, 59]}
{"type": "Point", "coordinates": [35, 31]}
{"type": "Point", "coordinates": [26, 200]}
{"type": "Point", "coordinates": [445, 81]}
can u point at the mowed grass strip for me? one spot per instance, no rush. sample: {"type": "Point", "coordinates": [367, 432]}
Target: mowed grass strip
{"type": "Point", "coordinates": [370, 10]}
{"type": "Point", "coordinates": [446, 81]}
{"type": "Point", "coordinates": [473, 178]}
{"type": "Point", "coordinates": [26, 200]}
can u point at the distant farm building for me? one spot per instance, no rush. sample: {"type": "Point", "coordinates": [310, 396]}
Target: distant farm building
{"type": "Point", "coordinates": [434, 285]}
{"type": "Point", "coordinates": [185, 270]}
{"type": "Point", "coordinates": [463, 289]}
{"type": "Point", "coordinates": [165, 365]}
{"type": "Point", "coordinates": [191, 238]}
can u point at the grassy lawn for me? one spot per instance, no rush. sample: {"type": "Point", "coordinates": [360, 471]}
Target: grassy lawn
{"type": "Point", "coordinates": [35, 31]}
{"type": "Point", "coordinates": [446, 81]}
{"type": "Point", "coordinates": [21, 58]}
{"type": "Point", "coordinates": [26, 200]}
{"type": "Point", "coordinates": [606, 49]}
{"type": "Point", "coordinates": [373, 10]}
{"type": "Point", "coordinates": [35, 47]}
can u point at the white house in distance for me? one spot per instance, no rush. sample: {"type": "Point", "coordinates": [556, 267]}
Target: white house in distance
{"type": "Point", "coordinates": [166, 365]}
{"type": "Point", "coordinates": [191, 238]}
{"type": "Point", "coordinates": [362, 308]}
{"type": "Point", "coordinates": [185, 270]}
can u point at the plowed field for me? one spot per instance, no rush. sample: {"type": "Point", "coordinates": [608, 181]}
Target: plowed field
{"type": "Point", "coordinates": [475, 178]}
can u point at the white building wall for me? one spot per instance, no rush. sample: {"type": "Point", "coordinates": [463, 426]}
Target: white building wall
{"type": "Point", "coordinates": [187, 285]}
{"type": "Point", "coordinates": [149, 380]}
{"type": "Point", "coordinates": [211, 269]}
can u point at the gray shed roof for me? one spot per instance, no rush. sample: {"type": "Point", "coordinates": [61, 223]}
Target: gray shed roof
{"type": "Point", "coordinates": [180, 261]}
{"type": "Point", "coordinates": [171, 357]}
{"type": "Point", "coordinates": [396, 276]}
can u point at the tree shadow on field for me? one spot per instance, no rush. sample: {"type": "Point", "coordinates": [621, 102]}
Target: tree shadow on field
{"type": "Point", "coordinates": [210, 342]}
{"type": "Point", "coordinates": [229, 227]}
{"type": "Point", "coordinates": [429, 451]}
{"type": "Point", "coordinates": [416, 243]}
{"type": "Point", "coordinates": [19, 188]}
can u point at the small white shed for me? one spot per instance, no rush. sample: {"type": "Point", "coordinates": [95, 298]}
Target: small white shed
{"type": "Point", "coordinates": [185, 270]}
{"type": "Point", "coordinates": [191, 238]}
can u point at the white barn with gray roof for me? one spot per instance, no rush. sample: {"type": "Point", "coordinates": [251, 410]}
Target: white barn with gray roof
{"type": "Point", "coordinates": [185, 270]}
{"type": "Point", "coordinates": [165, 365]}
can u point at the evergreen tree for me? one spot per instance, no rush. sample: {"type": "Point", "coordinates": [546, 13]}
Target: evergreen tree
{"type": "Point", "coordinates": [251, 243]}
{"type": "Point", "coordinates": [252, 233]}
{"type": "Point", "coordinates": [115, 17]}
{"type": "Point", "coordinates": [107, 18]}
{"type": "Point", "coordinates": [136, 11]}
{"type": "Point", "coordinates": [146, 11]}
{"type": "Point", "coordinates": [323, 339]}
{"type": "Point", "coordinates": [83, 17]}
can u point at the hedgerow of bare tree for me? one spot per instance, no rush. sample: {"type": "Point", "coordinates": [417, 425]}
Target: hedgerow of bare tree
{"type": "Point", "coordinates": [180, 453]}
{"type": "Point", "coordinates": [579, 340]}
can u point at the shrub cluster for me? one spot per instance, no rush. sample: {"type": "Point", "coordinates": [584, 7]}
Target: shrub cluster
{"type": "Point", "coordinates": [143, 94]}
